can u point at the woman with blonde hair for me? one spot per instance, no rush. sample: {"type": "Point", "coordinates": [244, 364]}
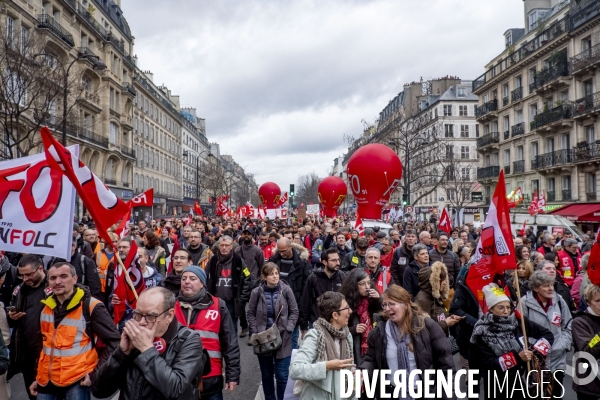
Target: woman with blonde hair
{"type": "Point", "coordinates": [456, 244]}
{"type": "Point", "coordinates": [406, 340]}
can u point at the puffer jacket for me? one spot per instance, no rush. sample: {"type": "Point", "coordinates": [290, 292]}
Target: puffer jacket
{"type": "Point", "coordinates": [431, 295]}
{"type": "Point", "coordinates": [585, 328]}
{"type": "Point", "coordinates": [450, 260]}
{"type": "Point", "coordinates": [150, 375]}
{"type": "Point", "coordinates": [431, 351]}
{"type": "Point", "coordinates": [353, 260]}
{"type": "Point", "coordinates": [464, 304]}
{"type": "Point", "coordinates": [157, 258]}
{"type": "Point", "coordinates": [301, 269]}
{"type": "Point", "coordinates": [557, 320]}
{"type": "Point", "coordinates": [400, 261]}
{"type": "Point", "coordinates": [411, 278]}
{"type": "Point", "coordinates": [257, 315]}
{"type": "Point", "coordinates": [316, 284]}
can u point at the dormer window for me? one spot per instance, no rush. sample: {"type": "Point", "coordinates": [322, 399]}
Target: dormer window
{"type": "Point", "coordinates": [536, 17]}
{"type": "Point", "coordinates": [461, 92]}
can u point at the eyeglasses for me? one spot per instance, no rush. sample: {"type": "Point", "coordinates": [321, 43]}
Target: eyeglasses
{"type": "Point", "coordinates": [365, 283]}
{"type": "Point", "coordinates": [342, 309]}
{"type": "Point", "coordinates": [150, 318]}
{"type": "Point", "coordinates": [29, 275]}
{"type": "Point", "coordinates": [180, 258]}
{"type": "Point", "coordinates": [389, 305]}
{"type": "Point", "coordinates": [503, 308]}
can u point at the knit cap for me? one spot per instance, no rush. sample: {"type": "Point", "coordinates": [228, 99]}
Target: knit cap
{"type": "Point", "coordinates": [196, 270]}
{"type": "Point", "coordinates": [494, 295]}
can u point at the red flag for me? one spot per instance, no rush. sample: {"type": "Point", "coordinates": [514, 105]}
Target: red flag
{"type": "Point", "coordinates": [594, 261]}
{"type": "Point", "coordinates": [542, 203]}
{"type": "Point", "coordinates": [533, 207]}
{"type": "Point", "coordinates": [104, 207]}
{"type": "Point", "coordinates": [128, 287]}
{"type": "Point", "coordinates": [302, 205]}
{"type": "Point", "coordinates": [175, 248]}
{"type": "Point", "coordinates": [495, 250]}
{"type": "Point", "coordinates": [145, 199]}
{"type": "Point", "coordinates": [522, 230]}
{"type": "Point", "coordinates": [197, 208]}
{"type": "Point", "coordinates": [445, 222]}
{"type": "Point", "coordinates": [240, 212]}
{"type": "Point", "coordinates": [123, 227]}
{"type": "Point", "coordinates": [283, 199]}
{"type": "Point", "coordinates": [249, 210]}
{"type": "Point", "coordinates": [358, 225]}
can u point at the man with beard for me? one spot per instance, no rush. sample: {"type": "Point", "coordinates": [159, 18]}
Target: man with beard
{"type": "Point", "coordinates": [200, 252]}
{"type": "Point", "coordinates": [403, 256]}
{"type": "Point", "coordinates": [254, 259]}
{"type": "Point", "coordinates": [91, 236]}
{"type": "Point", "coordinates": [266, 245]}
{"type": "Point", "coordinates": [181, 260]}
{"type": "Point", "coordinates": [184, 240]}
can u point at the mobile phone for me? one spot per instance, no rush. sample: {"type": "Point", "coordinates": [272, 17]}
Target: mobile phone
{"type": "Point", "coordinates": [11, 308]}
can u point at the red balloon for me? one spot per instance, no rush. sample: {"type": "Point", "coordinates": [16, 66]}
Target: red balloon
{"type": "Point", "coordinates": [269, 194]}
{"type": "Point", "coordinates": [374, 172]}
{"type": "Point", "coordinates": [332, 192]}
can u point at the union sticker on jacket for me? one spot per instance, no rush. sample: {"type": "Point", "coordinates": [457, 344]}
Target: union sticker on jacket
{"type": "Point", "coordinates": [402, 260]}
{"type": "Point", "coordinates": [556, 319]}
{"type": "Point", "coordinates": [441, 317]}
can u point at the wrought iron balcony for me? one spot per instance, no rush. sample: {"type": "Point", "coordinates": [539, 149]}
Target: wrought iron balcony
{"type": "Point", "coordinates": [128, 87]}
{"type": "Point", "coordinates": [128, 151]}
{"type": "Point", "coordinates": [566, 194]}
{"type": "Point", "coordinates": [493, 137]}
{"type": "Point", "coordinates": [555, 158]}
{"type": "Point", "coordinates": [486, 108]}
{"type": "Point", "coordinates": [586, 105]}
{"type": "Point", "coordinates": [507, 169]}
{"type": "Point", "coordinates": [551, 195]}
{"type": "Point", "coordinates": [591, 196]}
{"type": "Point", "coordinates": [550, 73]}
{"type": "Point", "coordinates": [583, 11]}
{"type": "Point", "coordinates": [126, 184]}
{"type": "Point", "coordinates": [505, 101]}
{"type": "Point", "coordinates": [517, 94]}
{"type": "Point", "coordinates": [506, 135]}
{"type": "Point", "coordinates": [48, 22]}
{"type": "Point", "coordinates": [110, 181]}
{"type": "Point", "coordinates": [90, 20]}
{"type": "Point", "coordinates": [518, 129]}
{"type": "Point", "coordinates": [556, 114]}
{"type": "Point", "coordinates": [519, 167]}
{"type": "Point", "coordinates": [488, 172]}
{"type": "Point", "coordinates": [586, 152]}
{"type": "Point", "coordinates": [585, 58]}
{"type": "Point", "coordinates": [82, 133]}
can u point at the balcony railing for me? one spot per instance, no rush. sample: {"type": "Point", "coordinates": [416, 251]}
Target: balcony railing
{"type": "Point", "coordinates": [587, 152]}
{"type": "Point", "coordinates": [517, 94]}
{"type": "Point", "coordinates": [81, 132]}
{"type": "Point", "coordinates": [91, 97]}
{"type": "Point", "coordinates": [586, 104]}
{"type": "Point", "coordinates": [550, 73]}
{"type": "Point", "coordinates": [507, 169]}
{"type": "Point", "coordinates": [519, 167]}
{"type": "Point", "coordinates": [89, 18]}
{"type": "Point", "coordinates": [559, 157]}
{"type": "Point", "coordinates": [553, 31]}
{"type": "Point", "coordinates": [585, 58]}
{"type": "Point", "coordinates": [48, 22]}
{"type": "Point", "coordinates": [518, 129]}
{"type": "Point", "coordinates": [128, 151]}
{"type": "Point", "coordinates": [551, 195]}
{"type": "Point", "coordinates": [506, 135]}
{"type": "Point", "coordinates": [585, 11]}
{"type": "Point", "coordinates": [591, 196]}
{"type": "Point", "coordinates": [110, 181]}
{"type": "Point", "coordinates": [556, 114]}
{"type": "Point", "coordinates": [125, 184]}
{"type": "Point", "coordinates": [128, 87]}
{"type": "Point", "coordinates": [566, 194]}
{"type": "Point", "coordinates": [493, 137]}
{"type": "Point", "coordinates": [485, 108]}
{"type": "Point", "coordinates": [505, 101]}
{"type": "Point", "coordinates": [488, 172]}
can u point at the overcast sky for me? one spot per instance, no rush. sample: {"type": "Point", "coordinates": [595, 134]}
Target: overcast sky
{"type": "Point", "coordinates": [280, 82]}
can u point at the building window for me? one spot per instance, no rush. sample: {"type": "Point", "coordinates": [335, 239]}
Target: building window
{"type": "Point", "coordinates": [536, 17]}
{"type": "Point", "coordinates": [447, 110]}
{"type": "Point", "coordinates": [466, 174]}
{"type": "Point", "coordinates": [590, 179]}
{"type": "Point", "coordinates": [462, 111]}
{"type": "Point", "coordinates": [507, 157]}
{"type": "Point", "coordinates": [114, 130]}
{"type": "Point", "coordinates": [590, 136]}
{"type": "Point", "coordinates": [461, 92]}
{"type": "Point", "coordinates": [464, 152]}
{"type": "Point", "coordinates": [508, 40]}
{"type": "Point", "coordinates": [477, 130]}
{"type": "Point", "coordinates": [449, 130]}
{"type": "Point", "coordinates": [464, 131]}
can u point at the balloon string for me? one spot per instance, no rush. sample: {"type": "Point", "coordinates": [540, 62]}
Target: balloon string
{"type": "Point", "coordinates": [386, 179]}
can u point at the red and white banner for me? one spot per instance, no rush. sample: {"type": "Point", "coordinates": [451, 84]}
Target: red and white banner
{"type": "Point", "coordinates": [533, 207]}
{"type": "Point", "coordinates": [358, 225]}
{"type": "Point", "coordinates": [103, 205]}
{"type": "Point", "coordinates": [123, 227]}
{"type": "Point", "coordinates": [197, 208]}
{"type": "Point", "coordinates": [515, 198]}
{"type": "Point", "coordinates": [495, 250]}
{"type": "Point", "coordinates": [445, 223]}
{"type": "Point", "coordinates": [283, 199]}
{"type": "Point", "coordinates": [128, 294]}
{"type": "Point", "coordinates": [36, 207]}
{"type": "Point", "coordinates": [542, 203]}
{"type": "Point", "coordinates": [145, 199]}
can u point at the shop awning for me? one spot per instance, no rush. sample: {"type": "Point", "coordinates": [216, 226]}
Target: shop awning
{"type": "Point", "coordinates": [589, 212]}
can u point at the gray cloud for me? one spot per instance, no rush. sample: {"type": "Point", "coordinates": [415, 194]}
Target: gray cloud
{"type": "Point", "coordinates": [280, 83]}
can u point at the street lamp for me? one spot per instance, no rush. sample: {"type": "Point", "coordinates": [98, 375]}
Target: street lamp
{"type": "Point", "coordinates": [82, 54]}
{"type": "Point", "coordinates": [187, 154]}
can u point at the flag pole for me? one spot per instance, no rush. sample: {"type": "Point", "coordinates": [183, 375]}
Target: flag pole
{"type": "Point", "coordinates": [522, 316]}
{"type": "Point", "coordinates": [127, 278]}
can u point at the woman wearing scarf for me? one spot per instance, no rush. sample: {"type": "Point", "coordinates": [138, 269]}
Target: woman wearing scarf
{"type": "Point", "coordinates": [326, 350]}
{"type": "Point", "coordinates": [406, 340]}
{"type": "Point", "coordinates": [365, 302]}
{"type": "Point", "coordinates": [586, 336]}
{"type": "Point", "coordinates": [273, 302]}
{"type": "Point", "coordinates": [497, 335]}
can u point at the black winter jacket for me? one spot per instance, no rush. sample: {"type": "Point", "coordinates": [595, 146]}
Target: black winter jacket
{"type": "Point", "coordinates": [464, 304]}
{"type": "Point", "coordinates": [585, 329]}
{"type": "Point", "coordinates": [297, 276]}
{"type": "Point", "coordinates": [317, 283]}
{"type": "Point", "coordinates": [240, 281]}
{"type": "Point", "coordinates": [431, 350]}
{"type": "Point", "coordinates": [230, 350]}
{"type": "Point", "coordinates": [411, 279]}
{"type": "Point", "coordinates": [353, 260]}
{"type": "Point", "coordinates": [374, 308]}
{"type": "Point", "coordinates": [400, 260]}
{"type": "Point", "coordinates": [450, 260]}
{"type": "Point", "coordinates": [172, 282]}
{"type": "Point", "coordinates": [150, 375]}
{"type": "Point", "coordinates": [561, 288]}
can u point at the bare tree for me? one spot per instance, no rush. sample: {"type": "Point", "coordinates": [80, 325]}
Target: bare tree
{"type": "Point", "coordinates": [307, 189]}
{"type": "Point", "coordinates": [212, 178]}
{"type": "Point", "coordinates": [31, 90]}
{"type": "Point", "coordinates": [459, 182]}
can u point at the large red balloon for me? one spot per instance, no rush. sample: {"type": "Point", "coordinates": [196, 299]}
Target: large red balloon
{"type": "Point", "coordinates": [269, 194]}
{"type": "Point", "coordinates": [374, 172]}
{"type": "Point", "coordinates": [332, 192]}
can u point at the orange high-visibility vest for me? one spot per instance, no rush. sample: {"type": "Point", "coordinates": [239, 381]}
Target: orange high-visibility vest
{"type": "Point", "coordinates": [102, 263]}
{"type": "Point", "coordinates": [208, 325]}
{"type": "Point", "coordinates": [68, 352]}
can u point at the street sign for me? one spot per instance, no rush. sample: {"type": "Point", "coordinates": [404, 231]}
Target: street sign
{"type": "Point", "coordinates": [409, 209]}
{"type": "Point", "coordinates": [476, 197]}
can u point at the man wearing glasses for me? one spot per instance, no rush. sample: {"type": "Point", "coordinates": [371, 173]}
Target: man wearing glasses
{"type": "Point", "coordinates": [157, 358]}
{"type": "Point", "coordinates": [26, 341]}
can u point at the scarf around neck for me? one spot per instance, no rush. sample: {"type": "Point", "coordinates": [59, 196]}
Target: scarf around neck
{"type": "Point", "coordinates": [364, 318]}
{"type": "Point", "coordinates": [498, 333]}
{"type": "Point", "coordinates": [402, 343]}
{"type": "Point", "coordinates": [326, 349]}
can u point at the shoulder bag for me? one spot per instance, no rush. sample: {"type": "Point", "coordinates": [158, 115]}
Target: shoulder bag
{"type": "Point", "coordinates": [269, 340]}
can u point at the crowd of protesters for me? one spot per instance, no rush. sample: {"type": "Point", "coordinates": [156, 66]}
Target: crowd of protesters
{"type": "Point", "coordinates": [394, 300]}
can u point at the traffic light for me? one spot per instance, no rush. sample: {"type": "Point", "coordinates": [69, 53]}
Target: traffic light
{"type": "Point", "coordinates": [291, 189]}
{"type": "Point", "coordinates": [404, 199]}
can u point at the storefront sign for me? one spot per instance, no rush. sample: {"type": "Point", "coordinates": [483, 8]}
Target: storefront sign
{"type": "Point", "coordinates": [126, 194]}
{"type": "Point", "coordinates": [472, 210]}
{"type": "Point", "coordinates": [476, 197]}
